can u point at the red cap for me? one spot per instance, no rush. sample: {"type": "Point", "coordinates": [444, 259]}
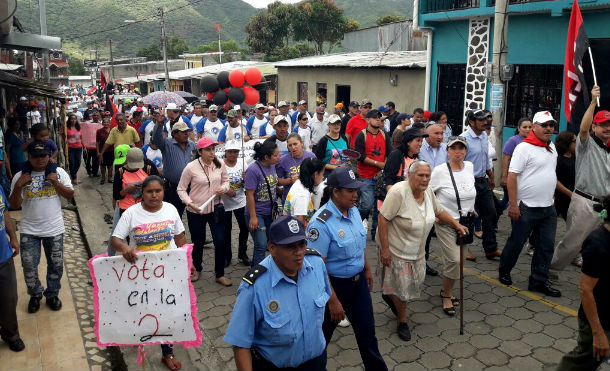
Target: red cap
{"type": "Point", "coordinates": [427, 115]}
{"type": "Point", "coordinates": [601, 116]}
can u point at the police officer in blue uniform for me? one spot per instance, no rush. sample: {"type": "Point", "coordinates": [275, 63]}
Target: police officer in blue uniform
{"type": "Point", "coordinates": [277, 318]}
{"type": "Point", "coordinates": [337, 233]}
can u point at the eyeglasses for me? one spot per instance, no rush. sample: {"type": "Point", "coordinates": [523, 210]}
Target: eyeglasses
{"type": "Point", "coordinates": [547, 125]}
{"type": "Point", "coordinates": [304, 119]}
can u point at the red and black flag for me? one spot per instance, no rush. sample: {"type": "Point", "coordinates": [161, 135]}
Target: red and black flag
{"type": "Point", "coordinates": [103, 81]}
{"type": "Point", "coordinates": [575, 101]}
{"type": "Point", "coordinates": [110, 107]}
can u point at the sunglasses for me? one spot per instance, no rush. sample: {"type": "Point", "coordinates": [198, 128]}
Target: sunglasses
{"type": "Point", "coordinates": [458, 137]}
{"type": "Point", "coordinates": [303, 119]}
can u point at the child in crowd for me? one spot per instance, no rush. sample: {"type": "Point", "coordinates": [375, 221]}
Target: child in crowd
{"type": "Point", "coordinates": [304, 130]}
{"type": "Point", "coordinates": [40, 133]}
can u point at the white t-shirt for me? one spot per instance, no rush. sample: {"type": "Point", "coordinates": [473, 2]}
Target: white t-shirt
{"type": "Point", "coordinates": [536, 177]}
{"type": "Point", "coordinates": [149, 231]}
{"type": "Point", "coordinates": [306, 136]}
{"type": "Point", "coordinates": [301, 202]}
{"type": "Point", "coordinates": [318, 129]}
{"type": "Point", "coordinates": [41, 215]}
{"type": "Point", "coordinates": [35, 117]}
{"type": "Point", "coordinates": [256, 126]}
{"type": "Point", "coordinates": [134, 108]}
{"type": "Point", "coordinates": [155, 156]}
{"type": "Point", "coordinates": [440, 182]}
{"type": "Point", "coordinates": [148, 130]}
{"type": "Point", "coordinates": [195, 119]}
{"type": "Point", "coordinates": [211, 129]}
{"type": "Point", "coordinates": [236, 181]}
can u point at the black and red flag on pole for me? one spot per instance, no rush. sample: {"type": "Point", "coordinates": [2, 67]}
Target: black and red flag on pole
{"type": "Point", "coordinates": [576, 94]}
{"type": "Point", "coordinates": [103, 81]}
{"type": "Point", "coordinates": [110, 107]}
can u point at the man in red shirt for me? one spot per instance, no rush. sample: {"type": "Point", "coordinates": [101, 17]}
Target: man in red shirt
{"type": "Point", "coordinates": [374, 146]}
{"type": "Point", "coordinates": [357, 123]}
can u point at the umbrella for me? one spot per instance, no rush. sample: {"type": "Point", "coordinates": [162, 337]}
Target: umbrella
{"type": "Point", "coordinates": [187, 96]}
{"type": "Point", "coordinates": [161, 98]}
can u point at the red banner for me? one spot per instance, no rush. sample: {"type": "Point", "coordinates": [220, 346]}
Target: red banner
{"type": "Point", "coordinates": [576, 47]}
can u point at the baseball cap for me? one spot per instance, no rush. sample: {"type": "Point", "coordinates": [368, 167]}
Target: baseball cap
{"type": "Point", "coordinates": [286, 230]}
{"type": "Point", "coordinates": [282, 103]}
{"type": "Point", "coordinates": [354, 104]}
{"type": "Point", "coordinates": [373, 114]}
{"type": "Point", "coordinates": [180, 126]}
{"type": "Point", "coordinates": [280, 118]}
{"type": "Point", "coordinates": [339, 105]}
{"type": "Point", "coordinates": [334, 118]}
{"type": "Point", "coordinates": [259, 105]}
{"type": "Point", "coordinates": [365, 101]}
{"type": "Point", "coordinates": [120, 154]}
{"type": "Point", "coordinates": [135, 158]}
{"type": "Point", "coordinates": [343, 177]}
{"type": "Point", "coordinates": [402, 116]}
{"type": "Point", "coordinates": [411, 134]}
{"type": "Point", "coordinates": [38, 148]}
{"type": "Point", "coordinates": [205, 142]}
{"type": "Point", "coordinates": [232, 113]}
{"type": "Point", "coordinates": [320, 110]}
{"type": "Point", "coordinates": [457, 139]}
{"type": "Point", "coordinates": [478, 114]}
{"type": "Point", "coordinates": [302, 101]}
{"type": "Point", "coordinates": [601, 116]}
{"type": "Point", "coordinates": [542, 117]}
{"type": "Point", "coordinates": [23, 98]}
{"type": "Point", "coordinates": [171, 107]}
{"type": "Point", "coordinates": [383, 109]}
{"type": "Point", "coordinates": [232, 145]}
{"type": "Point", "coordinates": [140, 100]}
{"type": "Point", "coordinates": [213, 107]}
{"type": "Point", "coordinates": [237, 107]}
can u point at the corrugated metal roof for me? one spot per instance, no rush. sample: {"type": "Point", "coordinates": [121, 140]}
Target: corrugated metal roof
{"type": "Point", "coordinates": [403, 59]}
{"type": "Point", "coordinates": [199, 72]}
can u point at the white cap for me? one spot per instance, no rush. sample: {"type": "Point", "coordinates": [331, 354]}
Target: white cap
{"type": "Point", "coordinates": [302, 102]}
{"type": "Point", "coordinates": [333, 118]}
{"type": "Point", "coordinates": [280, 118]}
{"type": "Point", "coordinates": [171, 107]}
{"type": "Point", "coordinates": [542, 117]}
{"type": "Point", "coordinates": [140, 99]}
{"type": "Point", "coordinates": [259, 105]}
{"type": "Point", "coordinates": [213, 107]}
{"type": "Point", "coordinates": [237, 107]}
{"type": "Point", "coordinates": [232, 144]}
{"type": "Point", "coordinates": [23, 98]}
{"type": "Point", "coordinates": [282, 103]}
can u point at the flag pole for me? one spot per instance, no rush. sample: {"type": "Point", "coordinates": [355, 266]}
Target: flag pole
{"type": "Point", "coordinates": [593, 68]}
{"type": "Point", "coordinates": [219, 47]}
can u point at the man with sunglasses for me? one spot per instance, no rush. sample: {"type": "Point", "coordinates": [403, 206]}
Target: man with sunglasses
{"type": "Point", "coordinates": [592, 183]}
{"type": "Point", "coordinates": [357, 123]}
{"type": "Point", "coordinates": [277, 318]}
{"type": "Point", "coordinates": [531, 185]}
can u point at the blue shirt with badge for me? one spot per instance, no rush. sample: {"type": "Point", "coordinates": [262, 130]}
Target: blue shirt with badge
{"type": "Point", "coordinates": [280, 318]}
{"type": "Point", "coordinates": [340, 239]}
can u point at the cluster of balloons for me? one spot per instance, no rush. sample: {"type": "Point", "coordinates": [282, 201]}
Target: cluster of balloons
{"type": "Point", "coordinates": [229, 86]}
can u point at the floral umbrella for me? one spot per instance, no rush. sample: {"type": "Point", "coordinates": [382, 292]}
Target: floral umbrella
{"type": "Point", "coordinates": [161, 98]}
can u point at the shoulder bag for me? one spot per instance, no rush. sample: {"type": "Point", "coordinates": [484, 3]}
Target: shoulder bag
{"type": "Point", "coordinates": [275, 210]}
{"type": "Point", "coordinates": [465, 220]}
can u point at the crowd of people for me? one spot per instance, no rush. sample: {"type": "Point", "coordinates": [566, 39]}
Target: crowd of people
{"type": "Point", "coordinates": [307, 196]}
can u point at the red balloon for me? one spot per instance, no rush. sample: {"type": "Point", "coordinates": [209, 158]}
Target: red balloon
{"type": "Point", "coordinates": [253, 76]}
{"type": "Point", "coordinates": [236, 78]}
{"type": "Point", "coordinates": [252, 95]}
{"type": "Point", "coordinates": [227, 90]}
{"type": "Point", "coordinates": [210, 96]}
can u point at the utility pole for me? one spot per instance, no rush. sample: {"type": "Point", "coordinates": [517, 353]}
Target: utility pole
{"type": "Point", "coordinates": [498, 94]}
{"type": "Point", "coordinates": [164, 44]}
{"type": "Point", "coordinates": [42, 7]}
{"type": "Point", "coordinates": [111, 61]}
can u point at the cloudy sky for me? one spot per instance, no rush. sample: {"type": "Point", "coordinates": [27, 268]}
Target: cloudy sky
{"type": "Point", "coordinates": [264, 3]}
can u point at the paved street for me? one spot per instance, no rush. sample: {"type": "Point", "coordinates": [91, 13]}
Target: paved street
{"type": "Point", "coordinates": [505, 327]}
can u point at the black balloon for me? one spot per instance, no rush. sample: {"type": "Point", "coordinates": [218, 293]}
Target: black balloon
{"type": "Point", "coordinates": [209, 84]}
{"type": "Point", "coordinates": [237, 95]}
{"type": "Point", "coordinates": [220, 98]}
{"type": "Point", "coordinates": [223, 80]}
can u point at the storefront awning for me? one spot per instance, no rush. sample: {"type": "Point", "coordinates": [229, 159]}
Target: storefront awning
{"type": "Point", "coordinates": [25, 86]}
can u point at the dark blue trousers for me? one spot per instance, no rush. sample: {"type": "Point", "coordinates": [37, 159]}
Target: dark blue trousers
{"type": "Point", "coordinates": [353, 293]}
{"type": "Point", "coordinates": [315, 364]}
{"type": "Point", "coordinates": [542, 221]}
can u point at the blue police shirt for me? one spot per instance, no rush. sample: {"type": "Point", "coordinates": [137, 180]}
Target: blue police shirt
{"type": "Point", "coordinates": [6, 250]}
{"type": "Point", "coordinates": [280, 318]}
{"type": "Point", "coordinates": [341, 240]}
{"type": "Point", "coordinates": [477, 152]}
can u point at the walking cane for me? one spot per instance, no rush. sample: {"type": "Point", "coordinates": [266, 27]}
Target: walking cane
{"type": "Point", "coordinates": [461, 287]}
{"type": "Point", "coordinates": [243, 156]}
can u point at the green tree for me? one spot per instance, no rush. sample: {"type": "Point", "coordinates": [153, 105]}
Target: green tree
{"type": "Point", "coordinates": [229, 46]}
{"type": "Point", "coordinates": [298, 50]}
{"type": "Point", "coordinates": [270, 29]}
{"type": "Point", "coordinates": [391, 18]}
{"type": "Point", "coordinates": [321, 21]}
{"type": "Point", "coordinates": [76, 67]}
{"type": "Point", "coordinates": [152, 52]}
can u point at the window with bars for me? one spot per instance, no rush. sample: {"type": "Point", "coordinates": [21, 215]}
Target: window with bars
{"type": "Point", "coordinates": [534, 88]}
{"type": "Point", "coordinates": [450, 87]}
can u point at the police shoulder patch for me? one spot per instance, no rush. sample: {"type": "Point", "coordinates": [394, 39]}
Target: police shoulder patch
{"type": "Point", "coordinates": [324, 215]}
{"type": "Point", "coordinates": [252, 275]}
{"type": "Point", "coordinates": [309, 251]}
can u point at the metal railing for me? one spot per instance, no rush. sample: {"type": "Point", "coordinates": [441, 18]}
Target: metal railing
{"type": "Point", "coordinates": [431, 6]}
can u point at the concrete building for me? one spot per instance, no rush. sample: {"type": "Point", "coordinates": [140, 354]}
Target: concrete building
{"type": "Point", "coordinates": [333, 78]}
{"type": "Point", "coordinates": [196, 60]}
{"type": "Point", "coordinates": [127, 68]}
{"type": "Point", "coordinates": [391, 37]}
{"type": "Point", "coordinates": [462, 44]}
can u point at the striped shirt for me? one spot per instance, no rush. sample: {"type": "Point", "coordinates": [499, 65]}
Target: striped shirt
{"type": "Point", "coordinates": [174, 158]}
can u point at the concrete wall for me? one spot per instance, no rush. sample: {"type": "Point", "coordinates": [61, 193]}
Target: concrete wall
{"type": "Point", "coordinates": [131, 70]}
{"type": "Point", "coordinates": [391, 37]}
{"type": "Point", "coordinates": [365, 83]}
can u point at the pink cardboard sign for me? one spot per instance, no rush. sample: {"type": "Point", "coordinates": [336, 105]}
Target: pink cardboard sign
{"type": "Point", "coordinates": [149, 302]}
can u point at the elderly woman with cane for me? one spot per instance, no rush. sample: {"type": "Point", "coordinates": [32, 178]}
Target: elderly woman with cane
{"type": "Point", "coordinates": [453, 184]}
{"type": "Point", "coordinates": [405, 219]}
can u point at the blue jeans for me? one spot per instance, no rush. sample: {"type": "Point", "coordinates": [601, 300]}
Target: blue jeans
{"type": "Point", "coordinates": [543, 222]}
{"type": "Point", "coordinates": [367, 199]}
{"type": "Point", "coordinates": [260, 237]}
{"type": "Point", "coordinates": [30, 258]}
{"type": "Point", "coordinates": [74, 157]}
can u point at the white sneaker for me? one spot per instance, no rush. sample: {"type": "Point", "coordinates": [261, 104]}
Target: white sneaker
{"type": "Point", "coordinates": [344, 323]}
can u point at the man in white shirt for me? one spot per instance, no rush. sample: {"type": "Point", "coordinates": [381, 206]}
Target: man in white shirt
{"type": "Point", "coordinates": [234, 130]}
{"type": "Point", "coordinates": [197, 114]}
{"type": "Point", "coordinates": [255, 122]}
{"type": "Point", "coordinates": [211, 126]}
{"type": "Point", "coordinates": [139, 104]}
{"type": "Point", "coordinates": [531, 185]}
{"type": "Point", "coordinates": [79, 114]}
{"type": "Point", "coordinates": [319, 127]}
